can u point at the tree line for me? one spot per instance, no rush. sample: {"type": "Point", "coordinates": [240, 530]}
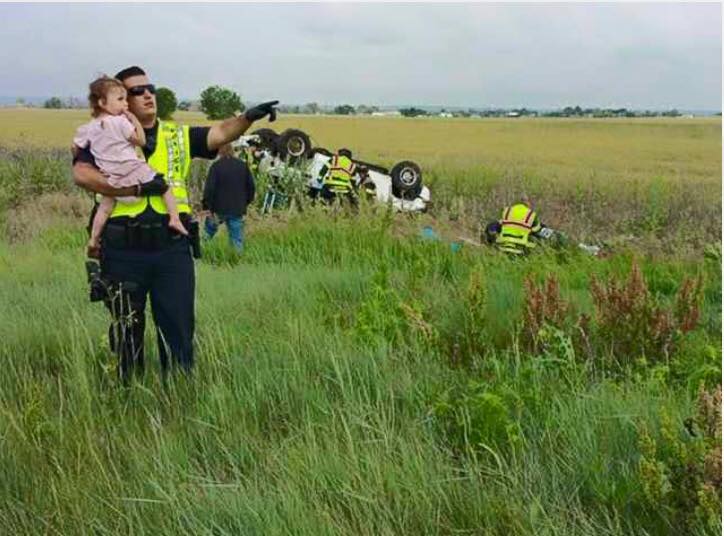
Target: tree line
{"type": "Point", "coordinates": [219, 103]}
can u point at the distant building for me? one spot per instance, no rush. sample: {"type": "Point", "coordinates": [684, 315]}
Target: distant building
{"type": "Point", "coordinates": [445, 114]}
{"type": "Point", "coordinates": [512, 114]}
{"type": "Point", "coordinates": [394, 113]}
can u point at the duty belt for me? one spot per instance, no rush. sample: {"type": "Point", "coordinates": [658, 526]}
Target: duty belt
{"type": "Point", "coordinates": [139, 235]}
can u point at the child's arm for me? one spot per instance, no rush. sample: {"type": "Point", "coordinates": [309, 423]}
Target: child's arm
{"type": "Point", "coordinates": [139, 136]}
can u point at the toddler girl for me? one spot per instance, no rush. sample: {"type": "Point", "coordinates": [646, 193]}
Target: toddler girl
{"type": "Point", "coordinates": [113, 135]}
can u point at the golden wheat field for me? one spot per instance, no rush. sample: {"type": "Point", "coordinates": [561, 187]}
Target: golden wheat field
{"type": "Point", "coordinates": [556, 148]}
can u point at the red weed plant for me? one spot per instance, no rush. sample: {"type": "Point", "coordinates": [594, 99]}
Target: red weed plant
{"type": "Point", "coordinates": [544, 306]}
{"type": "Point", "coordinates": [631, 323]}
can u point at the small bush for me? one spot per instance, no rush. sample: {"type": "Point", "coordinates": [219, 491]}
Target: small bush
{"type": "Point", "coordinates": [631, 323]}
{"type": "Point", "coordinates": [380, 315]}
{"type": "Point", "coordinates": [543, 307]}
{"type": "Point", "coordinates": [680, 469]}
{"type": "Point", "coordinates": [474, 417]}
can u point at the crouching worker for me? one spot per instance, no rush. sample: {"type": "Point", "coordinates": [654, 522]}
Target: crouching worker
{"type": "Point", "coordinates": [517, 230]}
{"type": "Point", "coordinates": [339, 181]}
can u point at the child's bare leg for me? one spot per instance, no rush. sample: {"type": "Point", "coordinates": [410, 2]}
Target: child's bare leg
{"type": "Point", "coordinates": [174, 220]}
{"type": "Point", "coordinates": [99, 220]}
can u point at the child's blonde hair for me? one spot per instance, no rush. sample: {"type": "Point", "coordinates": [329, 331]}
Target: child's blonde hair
{"type": "Point", "coordinates": [98, 89]}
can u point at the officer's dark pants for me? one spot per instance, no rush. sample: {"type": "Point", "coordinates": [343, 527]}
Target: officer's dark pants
{"type": "Point", "coordinates": [167, 275]}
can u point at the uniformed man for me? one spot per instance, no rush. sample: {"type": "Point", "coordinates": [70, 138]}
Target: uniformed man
{"type": "Point", "coordinates": [140, 257]}
{"type": "Point", "coordinates": [339, 180]}
{"type": "Point", "coordinates": [513, 233]}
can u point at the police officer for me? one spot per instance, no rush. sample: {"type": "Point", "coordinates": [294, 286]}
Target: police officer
{"type": "Point", "coordinates": [140, 256]}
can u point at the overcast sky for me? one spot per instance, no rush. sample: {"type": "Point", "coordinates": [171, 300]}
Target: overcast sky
{"type": "Point", "coordinates": [537, 55]}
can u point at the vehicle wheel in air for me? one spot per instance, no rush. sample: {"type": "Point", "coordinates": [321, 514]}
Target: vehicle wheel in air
{"type": "Point", "coordinates": [268, 138]}
{"type": "Point", "coordinates": [406, 180]}
{"type": "Point", "coordinates": [294, 145]}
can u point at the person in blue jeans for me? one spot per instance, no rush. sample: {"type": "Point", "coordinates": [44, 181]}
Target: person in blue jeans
{"type": "Point", "coordinates": [228, 191]}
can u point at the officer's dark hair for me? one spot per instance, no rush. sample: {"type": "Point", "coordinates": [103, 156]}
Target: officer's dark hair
{"type": "Point", "coordinates": [128, 72]}
{"type": "Point", "coordinates": [345, 152]}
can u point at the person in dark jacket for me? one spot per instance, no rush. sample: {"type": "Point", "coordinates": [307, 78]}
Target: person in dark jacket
{"type": "Point", "coordinates": [228, 191]}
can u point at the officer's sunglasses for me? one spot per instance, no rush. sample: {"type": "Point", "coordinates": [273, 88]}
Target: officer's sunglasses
{"type": "Point", "coordinates": [137, 91]}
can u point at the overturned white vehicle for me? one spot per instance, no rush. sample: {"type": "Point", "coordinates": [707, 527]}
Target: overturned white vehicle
{"type": "Point", "coordinates": [291, 154]}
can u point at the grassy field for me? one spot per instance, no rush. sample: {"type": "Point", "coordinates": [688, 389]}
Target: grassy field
{"type": "Point", "coordinates": [355, 378]}
{"type": "Point", "coordinates": [653, 182]}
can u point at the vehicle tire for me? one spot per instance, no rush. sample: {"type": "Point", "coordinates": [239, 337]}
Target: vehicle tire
{"type": "Point", "coordinates": [294, 145]}
{"type": "Point", "coordinates": [268, 138]}
{"type": "Point", "coordinates": [406, 180]}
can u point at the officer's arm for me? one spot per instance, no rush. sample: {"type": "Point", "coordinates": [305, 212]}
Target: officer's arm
{"type": "Point", "coordinates": [230, 129]}
{"type": "Point", "coordinates": [89, 178]}
{"type": "Point", "coordinates": [226, 131]}
{"type": "Point", "coordinates": [537, 226]}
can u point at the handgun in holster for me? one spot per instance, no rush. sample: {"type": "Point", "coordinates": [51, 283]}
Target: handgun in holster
{"type": "Point", "coordinates": [98, 288]}
{"type": "Point", "coordinates": [195, 238]}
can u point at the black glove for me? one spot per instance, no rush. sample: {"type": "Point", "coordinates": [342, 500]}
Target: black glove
{"type": "Point", "coordinates": [262, 110]}
{"type": "Point", "coordinates": [157, 186]}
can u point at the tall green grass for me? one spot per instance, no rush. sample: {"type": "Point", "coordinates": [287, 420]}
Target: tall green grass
{"type": "Point", "coordinates": [355, 378]}
{"type": "Point", "coordinates": [321, 402]}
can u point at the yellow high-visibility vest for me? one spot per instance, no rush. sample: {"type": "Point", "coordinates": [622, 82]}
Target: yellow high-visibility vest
{"type": "Point", "coordinates": [172, 158]}
{"type": "Point", "coordinates": [341, 171]}
{"type": "Point", "coordinates": [516, 225]}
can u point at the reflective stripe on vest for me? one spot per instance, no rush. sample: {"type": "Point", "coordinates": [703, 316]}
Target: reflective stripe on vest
{"type": "Point", "coordinates": [172, 158]}
{"type": "Point", "coordinates": [515, 228]}
{"type": "Point", "coordinates": [340, 173]}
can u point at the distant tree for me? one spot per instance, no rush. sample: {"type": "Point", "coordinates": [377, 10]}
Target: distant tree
{"type": "Point", "coordinates": [219, 103]}
{"type": "Point", "coordinates": [184, 105]}
{"type": "Point", "coordinates": [166, 103]}
{"type": "Point", "coordinates": [53, 103]}
{"type": "Point", "coordinates": [412, 112]}
{"type": "Point", "coordinates": [344, 109]}
{"type": "Point", "coordinates": [364, 109]}
{"type": "Point", "coordinates": [76, 103]}
{"type": "Point", "coordinates": [310, 108]}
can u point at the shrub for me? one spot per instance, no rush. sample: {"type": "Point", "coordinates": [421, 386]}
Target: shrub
{"type": "Point", "coordinates": [380, 314]}
{"type": "Point", "coordinates": [474, 418]}
{"type": "Point", "coordinates": [462, 325]}
{"type": "Point", "coordinates": [680, 470]}
{"type": "Point", "coordinates": [543, 307]}
{"type": "Point", "coordinates": [27, 173]}
{"type": "Point", "coordinates": [630, 322]}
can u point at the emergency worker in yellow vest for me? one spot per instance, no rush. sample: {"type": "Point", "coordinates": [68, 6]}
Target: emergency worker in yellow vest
{"type": "Point", "coordinates": [340, 179]}
{"type": "Point", "coordinates": [140, 256]}
{"type": "Point", "coordinates": [516, 230]}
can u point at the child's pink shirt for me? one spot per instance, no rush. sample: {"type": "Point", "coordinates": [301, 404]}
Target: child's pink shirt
{"type": "Point", "coordinates": [115, 155]}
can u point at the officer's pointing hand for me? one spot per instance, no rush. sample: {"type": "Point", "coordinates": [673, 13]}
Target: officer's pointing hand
{"type": "Point", "coordinates": [262, 110]}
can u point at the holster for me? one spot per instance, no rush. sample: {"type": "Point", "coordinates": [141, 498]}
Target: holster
{"type": "Point", "coordinates": [194, 238]}
{"type": "Point", "coordinates": [142, 236]}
